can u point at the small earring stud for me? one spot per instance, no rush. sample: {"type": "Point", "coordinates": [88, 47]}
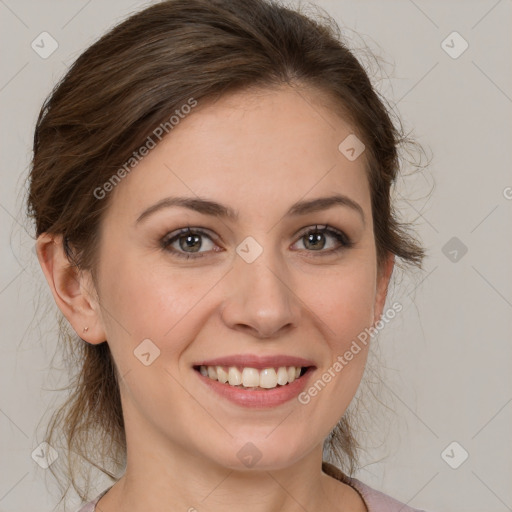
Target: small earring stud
{"type": "Point", "coordinates": [86, 329]}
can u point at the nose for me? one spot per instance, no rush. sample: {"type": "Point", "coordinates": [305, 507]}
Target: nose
{"type": "Point", "coordinates": [261, 300]}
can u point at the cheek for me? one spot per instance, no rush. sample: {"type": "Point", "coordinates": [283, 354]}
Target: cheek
{"type": "Point", "coordinates": [345, 303]}
{"type": "Point", "coordinates": [151, 301]}
{"type": "Point", "coordinates": [345, 306]}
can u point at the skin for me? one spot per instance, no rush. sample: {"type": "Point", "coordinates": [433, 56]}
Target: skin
{"type": "Point", "coordinates": [257, 152]}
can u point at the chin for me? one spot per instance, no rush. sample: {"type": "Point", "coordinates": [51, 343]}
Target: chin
{"type": "Point", "coordinates": [262, 452]}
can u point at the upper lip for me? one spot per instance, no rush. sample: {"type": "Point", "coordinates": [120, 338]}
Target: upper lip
{"type": "Point", "coordinates": [258, 362]}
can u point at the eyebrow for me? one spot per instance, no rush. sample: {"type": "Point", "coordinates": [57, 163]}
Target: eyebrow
{"type": "Point", "coordinates": [215, 209]}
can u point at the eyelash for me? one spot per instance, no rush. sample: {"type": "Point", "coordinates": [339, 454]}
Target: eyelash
{"type": "Point", "coordinates": [343, 239]}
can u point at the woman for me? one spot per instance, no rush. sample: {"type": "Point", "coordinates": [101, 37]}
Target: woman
{"type": "Point", "coordinates": [211, 193]}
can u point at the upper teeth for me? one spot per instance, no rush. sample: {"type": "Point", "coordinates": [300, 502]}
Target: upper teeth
{"type": "Point", "coordinates": [251, 377]}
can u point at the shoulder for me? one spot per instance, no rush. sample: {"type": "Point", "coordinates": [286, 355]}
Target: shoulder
{"type": "Point", "coordinates": [374, 500]}
{"type": "Point", "coordinates": [378, 501]}
{"type": "Point", "coordinates": [91, 506]}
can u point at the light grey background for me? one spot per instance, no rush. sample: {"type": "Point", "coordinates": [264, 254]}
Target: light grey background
{"type": "Point", "coordinates": [446, 357]}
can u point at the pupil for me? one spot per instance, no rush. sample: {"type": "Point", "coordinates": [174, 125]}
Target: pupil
{"type": "Point", "coordinates": [315, 238]}
{"type": "Point", "coordinates": [190, 241]}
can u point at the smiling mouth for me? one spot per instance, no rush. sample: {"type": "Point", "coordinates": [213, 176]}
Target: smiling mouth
{"type": "Point", "coordinates": [252, 378]}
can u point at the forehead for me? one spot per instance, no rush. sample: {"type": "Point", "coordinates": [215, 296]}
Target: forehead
{"type": "Point", "coordinates": [252, 150]}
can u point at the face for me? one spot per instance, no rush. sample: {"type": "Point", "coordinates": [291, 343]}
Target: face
{"type": "Point", "coordinates": [267, 287]}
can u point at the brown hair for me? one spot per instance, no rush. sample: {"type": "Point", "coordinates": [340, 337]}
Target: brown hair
{"type": "Point", "coordinates": [128, 83]}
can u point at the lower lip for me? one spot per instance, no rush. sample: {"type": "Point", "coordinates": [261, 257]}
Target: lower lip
{"type": "Point", "coordinates": [258, 398]}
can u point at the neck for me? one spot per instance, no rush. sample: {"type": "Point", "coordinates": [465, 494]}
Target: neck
{"type": "Point", "coordinates": [154, 481]}
{"type": "Point", "coordinates": [179, 480]}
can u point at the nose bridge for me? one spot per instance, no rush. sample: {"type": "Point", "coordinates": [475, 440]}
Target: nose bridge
{"type": "Point", "coordinates": [261, 297]}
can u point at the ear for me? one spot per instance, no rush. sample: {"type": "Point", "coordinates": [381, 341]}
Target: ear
{"type": "Point", "coordinates": [383, 278]}
{"type": "Point", "coordinates": [73, 290]}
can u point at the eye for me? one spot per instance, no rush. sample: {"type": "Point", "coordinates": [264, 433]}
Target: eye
{"type": "Point", "coordinates": [187, 239]}
{"type": "Point", "coordinates": [314, 238]}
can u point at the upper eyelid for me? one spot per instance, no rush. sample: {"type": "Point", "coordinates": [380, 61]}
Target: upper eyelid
{"type": "Point", "coordinates": [183, 231]}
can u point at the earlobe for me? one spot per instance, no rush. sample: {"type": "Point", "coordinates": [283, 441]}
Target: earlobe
{"type": "Point", "coordinates": [72, 290]}
{"type": "Point", "coordinates": [384, 277]}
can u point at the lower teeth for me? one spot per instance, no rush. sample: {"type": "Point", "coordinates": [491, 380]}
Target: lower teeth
{"type": "Point", "coordinates": [257, 388]}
